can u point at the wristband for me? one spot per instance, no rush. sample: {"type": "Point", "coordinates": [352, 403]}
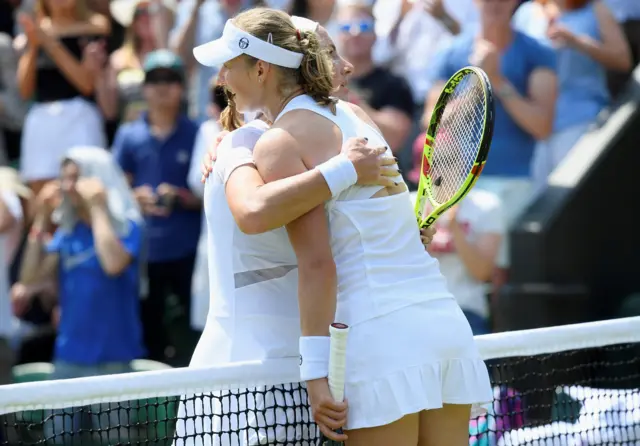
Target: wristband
{"type": "Point", "coordinates": [314, 357]}
{"type": "Point", "coordinates": [339, 173]}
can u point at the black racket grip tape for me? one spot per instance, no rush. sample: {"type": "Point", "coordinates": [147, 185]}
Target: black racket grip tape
{"type": "Point", "coordinates": [324, 441]}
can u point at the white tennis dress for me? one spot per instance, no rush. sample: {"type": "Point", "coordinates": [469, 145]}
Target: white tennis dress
{"type": "Point", "coordinates": [253, 315]}
{"type": "Point", "coordinates": [410, 347]}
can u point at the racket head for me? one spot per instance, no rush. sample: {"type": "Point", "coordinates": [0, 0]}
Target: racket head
{"type": "Point", "coordinates": [457, 143]}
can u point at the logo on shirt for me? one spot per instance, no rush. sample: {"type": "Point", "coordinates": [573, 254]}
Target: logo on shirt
{"type": "Point", "coordinates": [243, 43]}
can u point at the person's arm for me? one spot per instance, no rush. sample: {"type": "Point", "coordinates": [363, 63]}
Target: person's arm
{"type": "Point", "coordinates": [182, 39]}
{"type": "Point", "coordinates": [40, 261]}
{"type": "Point", "coordinates": [107, 90]}
{"type": "Point", "coordinates": [7, 219]}
{"type": "Point", "coordinates": [12, 108]}
{"type": "Point", "coordinates": [26, 73]}
{"type": "Point", "coordinates": [534, 112]}
{"type": "Point", "coordinates": [76, 72]}
{"type": "Point", "coordinates": [112, 255]}
{"type": "Point", "coordinates": [258, 207]}
{"type": "Point", "coordinates": [613, 52]}
{"type": "Point", "coordinates": [200, 147]}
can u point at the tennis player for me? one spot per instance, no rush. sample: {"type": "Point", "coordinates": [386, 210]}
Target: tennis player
{"type": "Point", "coordinates": [413, 369]}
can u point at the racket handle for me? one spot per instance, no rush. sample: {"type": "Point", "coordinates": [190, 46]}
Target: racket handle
{"type": "Point", "coordinates": [337, 368]}
{"type": "Point", "coordinates": [338, 359]}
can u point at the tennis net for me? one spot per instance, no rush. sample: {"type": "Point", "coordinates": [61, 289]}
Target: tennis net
{"type": "Point", "coordinates": [569, 385]}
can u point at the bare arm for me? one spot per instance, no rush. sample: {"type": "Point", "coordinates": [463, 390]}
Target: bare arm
{"type": "Point", "coordinates": [37, 265]}
{"type": "Point", "coordinates": [534, 113]}
{"type": "Point", "coordinates": [613, 52]}
{"type": "Point", "coordinates": [26, 73]}
{"type": "Point", "coordinates": [107, 91]}
{"type": "Point", "coordinates": [258, 207]}
{"type": "Point", "coordinates": [277, 156]}
{"type": "Point", "coordinates": [111, 253]}
{"type": "Point", "coordinates": [184, 42]}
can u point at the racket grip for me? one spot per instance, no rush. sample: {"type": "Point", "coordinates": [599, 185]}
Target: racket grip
{"type": "Point", "coordinates": [338, 359]}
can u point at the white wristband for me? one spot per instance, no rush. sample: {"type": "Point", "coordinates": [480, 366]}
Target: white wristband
{"type": "Point", "coordinates": [314, 357]}
{"type": "Point", "coordinates": [339, 173]}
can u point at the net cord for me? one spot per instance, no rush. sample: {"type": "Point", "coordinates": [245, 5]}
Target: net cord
{"type": "Point", "coordinates": [188, 381]}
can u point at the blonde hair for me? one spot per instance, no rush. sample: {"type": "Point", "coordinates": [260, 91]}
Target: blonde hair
{"type": "Point", "coordinates": [315, 74]}
{"type": "Point", "coordinates": [230, 119]}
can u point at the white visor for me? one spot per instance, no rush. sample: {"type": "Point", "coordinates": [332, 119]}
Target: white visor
{"type": "Point", "coordinates": [304, 24]}
{"type": "Point", "coordinates": [235, 42]}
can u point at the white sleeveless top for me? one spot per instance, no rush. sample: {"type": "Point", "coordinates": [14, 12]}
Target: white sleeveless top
{"type": "Point", "coordinates": [253, 310]}
{"type": "Point", "coordinates": [381, 263]}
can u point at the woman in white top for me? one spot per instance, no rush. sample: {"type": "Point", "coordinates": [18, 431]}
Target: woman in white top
{"type": "Point", "coordinates": [413, 369]}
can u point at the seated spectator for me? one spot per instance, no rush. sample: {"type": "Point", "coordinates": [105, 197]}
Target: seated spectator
{"type": "Point", "coordinates": [521, 71]}
{"type": "Point", "coordinates": [96, 255]}
{"type": "Point", "coordinates": [12, 108]}
{"type": "Point", "coordinates": [14, 199]}
{"type": "Point", "coordinates": [587, 41]}
{"type": "Point", "coordinates": [385, 97]}
{"type": "Point", "coordinates": [53, 73]}
{"type": "Point", "coordinates": [627, 13]}
{"type": "Point", "coordinates": [155, 152]}
{"type": "Point", "coordinates": [205, 139]}
{"type": "Point", "coordinates": [122, 100]}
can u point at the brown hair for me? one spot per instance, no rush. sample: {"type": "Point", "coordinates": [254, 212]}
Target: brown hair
{"type": "Point", "coordinates": [82, 13]}
{"type": "Point", "coordinates": [230, 118]}
{"type": "Point", "coordinates": [315, 75]}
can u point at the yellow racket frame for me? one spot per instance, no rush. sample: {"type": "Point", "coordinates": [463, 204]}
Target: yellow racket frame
{"type": "Point", "coordinates": [425, 184]}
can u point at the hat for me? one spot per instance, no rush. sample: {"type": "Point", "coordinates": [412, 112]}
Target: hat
{"type": "Point", "coordinates": [10, 180]}
{"type": "Point", "coordinates": [235, 42]}
{"type": "Point", "coordinates": [123, 11]}
{"type": "Point", "coordinates": [163, 59]}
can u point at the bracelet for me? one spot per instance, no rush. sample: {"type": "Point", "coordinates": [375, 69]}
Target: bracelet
{"type": "Point", "coordinates": [339, 173]}
{"type": "Point", "coordinates": [314, 357]}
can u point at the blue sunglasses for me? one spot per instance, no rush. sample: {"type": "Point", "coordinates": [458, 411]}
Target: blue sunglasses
{"type": "Point", "coordinates": [357, 27]}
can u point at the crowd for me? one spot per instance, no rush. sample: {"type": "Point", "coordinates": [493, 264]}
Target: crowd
{"type": "Point", "coordinates": [105, 118]}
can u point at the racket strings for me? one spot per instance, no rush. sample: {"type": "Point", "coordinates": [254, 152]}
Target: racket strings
{"type": "Point", "coordinates": [457, 138]}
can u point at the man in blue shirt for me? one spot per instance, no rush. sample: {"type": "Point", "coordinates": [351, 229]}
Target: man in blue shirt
{"type": "Point", "coordinates": [522, 73]}
{"type": "Point", "coordinates": [155, 151]}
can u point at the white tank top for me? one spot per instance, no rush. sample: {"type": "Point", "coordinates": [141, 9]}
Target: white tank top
{"type": "Point", "coordinates": [253, 310]}
{"type": "Point", "coordinates": [381, 263]}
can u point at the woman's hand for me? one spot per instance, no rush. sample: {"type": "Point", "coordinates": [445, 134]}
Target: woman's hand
{"type": "Point", "coordinates": [92, 192]}
{"type": "Point", "coordinates": [48, 198]}
{"type": "Point", "coordinates": [211, 156]}
{"type": "Point", "coordinates": [328, 414]}
{"type": "Point", "coordinates": [426, 235]}
{"type": "Point", "coordinates": [30, 28]}
{"type": "Point", "coordinates": [373, 168]}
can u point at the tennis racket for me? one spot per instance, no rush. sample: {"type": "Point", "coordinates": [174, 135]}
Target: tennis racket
{"type": "Point", "coordinates": [456, 144]}
{"type": "Point", "coordinates": [337, 366]}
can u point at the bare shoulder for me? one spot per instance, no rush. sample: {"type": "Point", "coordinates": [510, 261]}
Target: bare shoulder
{"type": "Point", "coordinates": [360, 113]}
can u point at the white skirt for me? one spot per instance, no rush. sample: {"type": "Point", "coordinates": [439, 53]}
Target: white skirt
{"type": "Point", "coordinates": [51, 129]}
{"type": "Point", "coordinates": [413, 359]}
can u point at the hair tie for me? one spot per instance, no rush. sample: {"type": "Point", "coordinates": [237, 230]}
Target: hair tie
{"type": "Point", "coordinates": [298, 35]}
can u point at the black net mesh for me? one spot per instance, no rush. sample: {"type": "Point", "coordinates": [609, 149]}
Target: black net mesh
{"type": "Point", "coordinates": [578, 397]}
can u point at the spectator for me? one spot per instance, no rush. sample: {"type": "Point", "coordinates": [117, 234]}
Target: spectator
{"type": "Point", "coordinates": [207, 134]}
{"type": "Point", "coordinates": [53, 73]}
{"type": "Point", "coordinates": [198, 22]}
{"type": "Point", "coordinates": [627, 13]}
{"type": "Point", "coordinates": [385, 97]}
{"type": "Point", "coordinates": [521, 71]}
{"type": "Point", "coordinates": [155, 151]}
{"type": "Point", "coordinates": [96, 254]}
{"type": "Point", "coordinates": [588, 41]}
{"type": "Point", "coordinates": [420, 27]}
{"type": "Point", "coordinates": [12, 108]}
{"type": "Point", "coordinates": [319, 11]}
{"type": "Point", "coordinates": [14, 199]}
{"type": "Point", "coordinates": [145, 27]}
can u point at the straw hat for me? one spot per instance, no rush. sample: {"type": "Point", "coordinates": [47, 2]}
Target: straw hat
{"type": "Point", "coordinates": [123, 11]}
{"type": "Point", "coordinates": [10, 180]}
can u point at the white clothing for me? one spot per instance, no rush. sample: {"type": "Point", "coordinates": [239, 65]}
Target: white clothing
{"type": "Point", "coordinates": [200, 281]}
{"type": "Point", "coordinates": [51, 129]}
{"type": "Point", "coordinates": [253, 314]}
{"type": "Point", "coordinates": [9, 241]}
{"type": "Point", "coordinates": [384, 275]}
{"type": "Point", "coordinates": [480, 213]}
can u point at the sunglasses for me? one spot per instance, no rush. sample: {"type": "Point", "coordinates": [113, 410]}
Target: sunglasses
{"type": "Point", "coordinates": [357, 27]}
{"type": "Point", "coordinates": [163, 77]}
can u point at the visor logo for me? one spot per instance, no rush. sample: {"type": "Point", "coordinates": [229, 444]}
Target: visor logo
{"type": "Point", "coordinates": [243, 43]}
